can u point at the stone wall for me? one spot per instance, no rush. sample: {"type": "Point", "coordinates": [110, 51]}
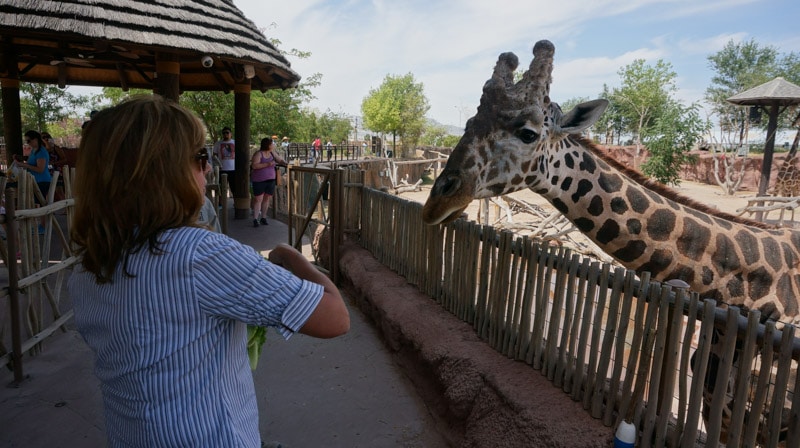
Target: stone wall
{"type": "Point", "coordinates": [703, 170]}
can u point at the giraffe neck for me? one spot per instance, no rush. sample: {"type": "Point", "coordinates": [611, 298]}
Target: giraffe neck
{"type": "Point", "coordinates": [733, 262]}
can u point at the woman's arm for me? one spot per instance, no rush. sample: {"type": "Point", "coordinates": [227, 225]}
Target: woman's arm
{"type": "Point", "coordinates": [41, 165]}
{"type": "Point", "coordinates": [256, 162]}
{"type": "Point", "coordinates": [330, 318]}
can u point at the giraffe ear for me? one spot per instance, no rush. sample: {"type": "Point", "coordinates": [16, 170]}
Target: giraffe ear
{"type": "Point", "coordinates": [582, 116]}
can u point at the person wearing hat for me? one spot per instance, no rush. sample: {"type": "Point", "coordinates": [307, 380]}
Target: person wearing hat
{"type": "Point", "coordinates": [285, 148]}
{"type": "Point", "coordinates": [225, 152]}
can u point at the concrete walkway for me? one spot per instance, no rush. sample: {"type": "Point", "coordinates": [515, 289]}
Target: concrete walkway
{"type": "Point", "coordinates": [345, 392]}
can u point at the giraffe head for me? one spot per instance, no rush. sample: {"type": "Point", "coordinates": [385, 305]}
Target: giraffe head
{"type": "Point", "coordinates": [506, 145]}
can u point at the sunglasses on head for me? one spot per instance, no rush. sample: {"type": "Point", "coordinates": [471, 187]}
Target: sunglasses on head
{"type": "Point", "coordinates": [202, 157]}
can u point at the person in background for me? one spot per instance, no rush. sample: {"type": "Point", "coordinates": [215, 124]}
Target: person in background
{"type": "Point", "coordinates": [38, 163]}
{"type": "Point", "coordinates": [57, 160]}
{"type": "Point", "coordinates": [285, 148]}
{"type": "Point", "coordinates": [91, 115]}
{"type": "Point", "coordinates": [264, 164]}
{"type": "Point", "coordinates": [169, 339]}
{"type": "Point", "coordinates": [225, 154]}
{"type": "Point", "coordinates": [316, 149]}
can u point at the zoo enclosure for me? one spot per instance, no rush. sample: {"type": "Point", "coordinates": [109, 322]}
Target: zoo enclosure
{"type": "Point", "coordinates": [620, 344]}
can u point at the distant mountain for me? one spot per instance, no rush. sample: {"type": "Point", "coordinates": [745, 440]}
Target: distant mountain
{"type": "Point", "coordinates": [452, 130]}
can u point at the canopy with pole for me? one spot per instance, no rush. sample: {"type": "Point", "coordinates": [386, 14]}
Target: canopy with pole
{"type": "Point", "coordinates": [170, 47]}
{"type": "Point", "coordinates": [774, 97]}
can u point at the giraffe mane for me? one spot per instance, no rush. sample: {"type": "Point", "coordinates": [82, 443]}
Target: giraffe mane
{"type": "Point", "coordinates": [665, 191]}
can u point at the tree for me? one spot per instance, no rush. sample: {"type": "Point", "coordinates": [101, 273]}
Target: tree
{"type": "Point", "coordinates": [738, 67]}
{"type": "Point", "coordinates": [397, 107]}
{"type": "Point", "coordinates": [644, 94]}
{"type": "Point", "coordinates": [42, 104]}
{"type": "Point", "coordinates": [669, 138]}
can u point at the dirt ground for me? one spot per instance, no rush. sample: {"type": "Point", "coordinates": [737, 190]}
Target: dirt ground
{"type": "Point", "coordinates": [710, 195]}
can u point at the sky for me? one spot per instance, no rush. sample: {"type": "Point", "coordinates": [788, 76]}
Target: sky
{"type": "Point", "coordinates": [451, 46]}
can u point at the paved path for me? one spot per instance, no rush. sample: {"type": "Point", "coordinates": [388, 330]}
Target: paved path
{"type": "Point", "coordinates": [345, 392]}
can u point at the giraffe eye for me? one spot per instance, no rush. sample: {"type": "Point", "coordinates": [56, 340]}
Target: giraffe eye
{"type": "Point", "coordinates": [527, 135]}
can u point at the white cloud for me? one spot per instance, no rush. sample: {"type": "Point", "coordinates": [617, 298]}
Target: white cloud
{"type": "Point", "coordinates": [451, 45]}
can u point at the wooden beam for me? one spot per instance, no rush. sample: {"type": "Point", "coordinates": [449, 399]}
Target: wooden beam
{"type": "Point", "coordinates": [123, 79]}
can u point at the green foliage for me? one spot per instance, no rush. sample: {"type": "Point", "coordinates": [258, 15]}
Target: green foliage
{"type": "Point", "coordinates": [451, 140]}
{"type": "Point", "coordinates": [643, 96]}
{"type": "Point", "coordinates": [432, 135]}
{"type": "Point", "coordinates": [42, 104]}
{"type": "Point", "coordinates": [738, 67]}
{"type": "Point", "coordinates": [669, 139]}
{"type": "Point", "coordinates": [397, 107]}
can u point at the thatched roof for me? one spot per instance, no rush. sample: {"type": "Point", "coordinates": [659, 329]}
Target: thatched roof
{"type": "Point", "coordinates": [778, 91]}
{"type": "Point", "coordinates": [117, 43]}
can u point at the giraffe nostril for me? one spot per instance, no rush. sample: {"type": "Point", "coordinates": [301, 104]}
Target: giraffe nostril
{"type": "Point", "coordinates": [448, 185]}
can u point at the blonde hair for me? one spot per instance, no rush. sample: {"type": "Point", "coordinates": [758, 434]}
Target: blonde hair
{"type": "Point", "coordinates": [134, 180]}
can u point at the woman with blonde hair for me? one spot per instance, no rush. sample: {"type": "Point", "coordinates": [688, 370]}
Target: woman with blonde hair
{"type": "Point", "coordinates": [163, 302]}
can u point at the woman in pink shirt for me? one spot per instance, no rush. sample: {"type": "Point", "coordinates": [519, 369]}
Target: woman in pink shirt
{"type": "Point", "coordinates": [264, 163]}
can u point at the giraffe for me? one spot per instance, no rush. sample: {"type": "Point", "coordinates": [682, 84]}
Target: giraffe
{"type": "Point", "coordinates": [788, 181]}
{"type": "Point", "coordinates": [520, 139]}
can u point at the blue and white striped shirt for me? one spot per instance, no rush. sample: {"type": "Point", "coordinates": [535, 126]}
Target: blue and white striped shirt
{"type": "Point", "coordinates": [170, 343]}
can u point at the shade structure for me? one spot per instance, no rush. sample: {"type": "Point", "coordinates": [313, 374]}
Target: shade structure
{"type": "Point", "coordinates": [210, 44]}
{"type": "Point", "coordinates": [772, 96]}
{"type": "Point", "coordinates": [778, 91]}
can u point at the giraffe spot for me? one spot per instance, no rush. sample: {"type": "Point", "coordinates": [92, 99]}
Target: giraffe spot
{"type": "Point", "coordinates": [637, 200]}
{"type": "Point", "coordinates": [661, 224]}
{"type": "Point", "coordinates": [609, 182]}
{"type": "Point", "coordinates": [516, 180]}
{"type": "Point", "coordinates": [694, 239]}
{"type": "Point", "coordinates": [568, 161]}
{"type": "Point", "coordinates": [584, 224]}
{"type": "Point", "coordinates": [560, 205]}
{"type": "Point", "coordinates": [596, 206]}
{"type": "Point", "coordinates": [682, 272]}
{"type": "Point", "coordinates": [658, 199]}
{"type": "Point", "coordinates": [725, 256]}
{"type": "Point", "coordinates": [785, 292]}
{"type": "Point", "coordinates": [588, 164]}
{"type": "Point", "coordinates": [554, 180]}
{"type": "Point", "coordinates": [584, 187]}
{"type": "Point", "coordinates": [658, 262]}
{"type": "Point", "coordinates": [788, 255]}
{"type": "Point", "coordinates": [632, 250]}
{"type": "Point", "coordinates": [532, 180]}
{"type": "Point", "coordinates": [735, 286]}
{"type": "Point", "coordinates": [618, 205]}
{"type": "Point", "coordinates": [770, 311]}
{"type": "Point", "coordinates": [772, 253]}
{"type": "Point", "coordinates": [748, 244]}
{"type": "Point", "coordinates": [727, 225]}
{"type": "Point", "coordinates": [566, 184]}
{"type": "Point", "coordinates": [526, 165]}
{"type": "Point", "coordinates": [634, 226]}
{"type": "Point", "coordinates": [795, 237]}
{"type": "Point", "coordinates": [700, 216]}
{"type": "Point", "coordinates": [708, 276]}
{"type": "Point", "coordinates": [608, 232]}
{"type": "Point", "coordinates": [497, 189]}
{"type": "Point", "coordinates": [759, 282]}
{"type": "Point", "coordinates": [557, 164]}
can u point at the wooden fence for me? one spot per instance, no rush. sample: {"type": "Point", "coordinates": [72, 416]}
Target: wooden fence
{"type": "Point", "coordinates": [620, 344]}
{"type": "Point", "coordinates": [37, 264]}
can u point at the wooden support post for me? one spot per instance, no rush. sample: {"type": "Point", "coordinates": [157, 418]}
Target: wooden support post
{"type": "Point", "coordinates": [241, 107]}
{"type": "Point", "coordinates": [168, 70]}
